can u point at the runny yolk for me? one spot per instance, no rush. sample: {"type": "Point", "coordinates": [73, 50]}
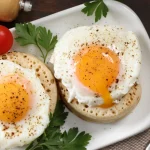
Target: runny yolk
{"type": "Point", "coordinates": [97, 68]}
{"type": "Point", "coordinates": [14, 102]}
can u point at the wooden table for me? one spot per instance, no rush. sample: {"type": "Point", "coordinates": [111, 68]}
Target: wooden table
{"type": "Point", "coordinates": [43, 8]}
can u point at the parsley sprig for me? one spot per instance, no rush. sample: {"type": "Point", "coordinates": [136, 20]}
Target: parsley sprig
{"type": "Point", "coordinates": [97, 7]}
{"type": "Point", "coordinates": [54, 139]}
{"type": "Point", "coordinates": [30, 34]}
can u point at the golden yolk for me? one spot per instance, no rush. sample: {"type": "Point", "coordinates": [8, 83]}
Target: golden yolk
{"type": "Point", "coordinates": [14, 102]}
{"type": "Point", "coordinates": [97, 68]}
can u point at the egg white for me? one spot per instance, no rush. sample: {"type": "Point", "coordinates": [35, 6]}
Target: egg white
{"type": "Point", "coordinates": [37, 118]}
{"type": "Point", "coordinates": [122, 42]}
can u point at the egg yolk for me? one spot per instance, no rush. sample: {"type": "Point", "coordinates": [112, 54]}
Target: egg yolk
{"type": "Point", "coordinates": [97, 67]}
{"type": "Point", "coordinates": [14, 102]}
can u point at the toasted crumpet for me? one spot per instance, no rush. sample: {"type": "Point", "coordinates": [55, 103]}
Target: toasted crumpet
{"type": "Point", "coordinates": [42, 72]}
{"type": "Point", "coordinates": [98, 114]}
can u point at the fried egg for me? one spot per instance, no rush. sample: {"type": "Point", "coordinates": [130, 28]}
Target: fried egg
{"type": "Point", "coordinates": [24, 106]}
{"type": "Point", "coordinates": [97, 64]}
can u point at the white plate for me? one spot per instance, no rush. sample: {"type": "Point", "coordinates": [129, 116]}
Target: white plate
{"type": "Point", "coordinates": [119, 14]}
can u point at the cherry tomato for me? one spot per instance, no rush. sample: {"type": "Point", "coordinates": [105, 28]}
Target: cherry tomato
{"type": "Point", "coordinates": [6, 40]}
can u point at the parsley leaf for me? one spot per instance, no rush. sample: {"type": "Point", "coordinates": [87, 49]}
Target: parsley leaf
{"type": "Point", "coordinates": [59, 116]}
{"type": "Point", "coordinates": [98, 7]}
{"type": "Point", "coordinates": [53, 139]}
{"type": "Point", "coordinates": [46, 40]}
{"type": "Point", "coordinates": [72, 140]}
{"type": "Point", "coordinates": [27, 34]}
{"type": "Point", "coordinates": [30, 34]}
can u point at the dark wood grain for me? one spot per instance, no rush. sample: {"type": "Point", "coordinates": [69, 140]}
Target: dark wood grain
{"type": "Point", "coordinates": [43, 8]}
